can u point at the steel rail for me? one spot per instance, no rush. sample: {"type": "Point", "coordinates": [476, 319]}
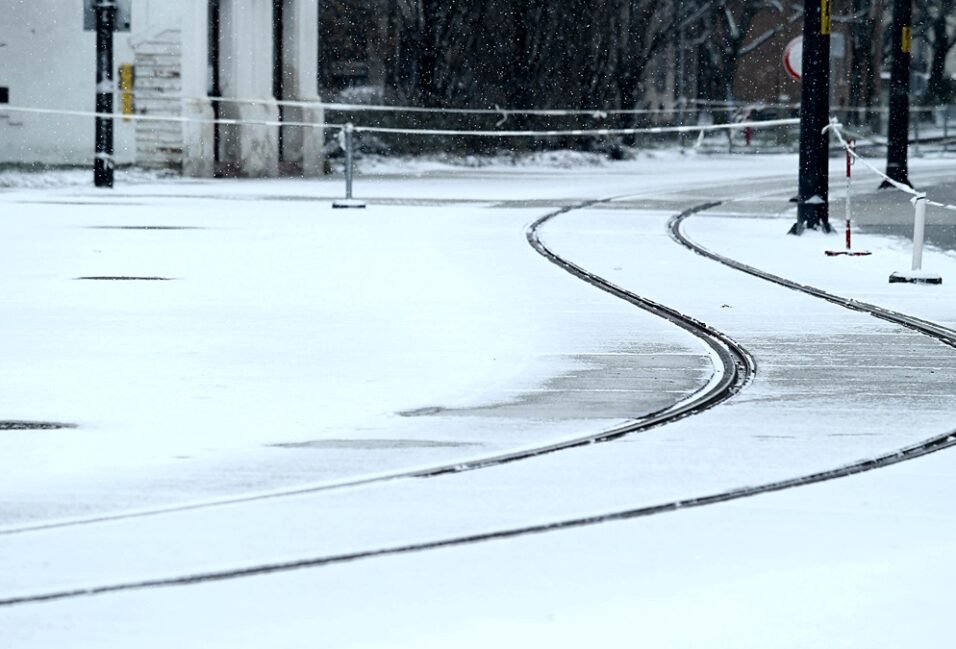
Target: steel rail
{"type": "Point", "coordinates": [926, 447]}
{"type": "Point", "coordinates": [931, 329]}
{"type": "Point", "coordinates": [737, 370]}
{"type": "Point", "coordinates": [737, 367]}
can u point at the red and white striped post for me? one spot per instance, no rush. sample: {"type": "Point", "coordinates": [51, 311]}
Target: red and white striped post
{"type": "Point", "coordinates": [849, 233]}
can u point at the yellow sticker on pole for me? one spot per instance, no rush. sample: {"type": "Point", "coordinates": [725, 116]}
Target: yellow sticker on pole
{"type": "Point", "coordinates": [825, 17]}
{"type": "Point", "coordinates": [126, 75]}
{"type": "Point", "coordinates": [906, 43]}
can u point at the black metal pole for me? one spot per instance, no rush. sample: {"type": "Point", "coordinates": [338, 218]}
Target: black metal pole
{"type": "Point", "coordinates": [103, 161]}
{"type": "Point", "coordinates": [897, 165]}
{"type": "Point", "coordinates": [813, 194]}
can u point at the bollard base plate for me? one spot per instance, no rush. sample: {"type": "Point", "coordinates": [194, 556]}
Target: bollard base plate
{"type": "Point", "coordinates": [349, 204]}
{"type": "Point", "coordinates": [847, 253]}
{"type": "Point", "coordinates": [915, 277]}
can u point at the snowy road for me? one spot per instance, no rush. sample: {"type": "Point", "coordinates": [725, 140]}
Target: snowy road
{"type": "Point", "coordinates": [488, 348]}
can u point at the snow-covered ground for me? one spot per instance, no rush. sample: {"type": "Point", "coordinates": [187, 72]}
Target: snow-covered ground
{"type": "Point", "coordinates": [291, 345]}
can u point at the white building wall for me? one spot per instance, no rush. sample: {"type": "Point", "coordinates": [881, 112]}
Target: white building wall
{"type": "Point", "coordinates": [48, 61]}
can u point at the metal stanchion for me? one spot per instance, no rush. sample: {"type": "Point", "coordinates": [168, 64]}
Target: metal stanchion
{"type": "Point", "coordinates": [348, 202]}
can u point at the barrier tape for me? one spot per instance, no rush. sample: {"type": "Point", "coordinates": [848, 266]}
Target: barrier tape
{"type": "Point", "coordinates": [406, 131]}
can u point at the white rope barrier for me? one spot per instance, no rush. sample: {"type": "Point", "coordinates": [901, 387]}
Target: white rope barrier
{"type": "Point", "coordinates": [504, 113]}
{"type": "Point", "coordinates": [586, 132]}
{"type": "Point", "coordinates": [652, 130]}
{"type": "Point", "coordinates": [408, 131]}
{"type": "Point", "coordinates": [836, 128]}
{"type": "Point", "coordinates": [347, 130]}
{"type": "Point", "coordinates": [140, 117]}
{"type": "Point", "coordinates": [595, 113]}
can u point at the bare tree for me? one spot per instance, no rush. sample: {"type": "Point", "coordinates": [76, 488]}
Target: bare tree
{"type": "Point", "coordinates": [937, 24]}
{"type": "Point", "coordinates": [865, 49]}
{"type": "Point", "coordinates": [527, 53]}
{"type": "Point", "coordinates": [729, 26]}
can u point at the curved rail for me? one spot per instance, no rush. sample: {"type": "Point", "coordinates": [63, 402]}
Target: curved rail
{"type": "Point", "coordinates": [931, 445]}
{"type": "Point", "coordinates": [738, 365]}
{"type": "Point", "coordinates": [933, 330]}
{"type": "Point", "coordinates": [737, 368]}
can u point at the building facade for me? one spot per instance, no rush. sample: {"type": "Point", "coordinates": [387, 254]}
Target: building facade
{"type": "Point", "coordinates": [193, 61]}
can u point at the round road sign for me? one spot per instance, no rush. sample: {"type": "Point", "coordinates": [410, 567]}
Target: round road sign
{"type": "Point", "coordinates": [793, 57]}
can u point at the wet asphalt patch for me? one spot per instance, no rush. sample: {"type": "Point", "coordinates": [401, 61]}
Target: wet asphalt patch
{"type": "Point", "coordinates": [33, 425]}
{"type": "Point", "coordinates": [373, 444]}
{"type": "Point", "coordinates": [124, 278]}
{"type": "Point", "coordinates": [145, 227]}
{"type": "Point", "coordinates": [422, 412]}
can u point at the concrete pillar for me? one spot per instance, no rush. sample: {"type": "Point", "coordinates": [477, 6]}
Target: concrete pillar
{"type": "Point", "coordinates": [198, 139]}
{"type": "Point", "coordinates": [300, 82]}
{"type": "Point", "coordinates": [246, 73]}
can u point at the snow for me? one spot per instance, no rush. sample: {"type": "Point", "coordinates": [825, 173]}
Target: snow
{"type": "Point", "coordinates": [296, 345]}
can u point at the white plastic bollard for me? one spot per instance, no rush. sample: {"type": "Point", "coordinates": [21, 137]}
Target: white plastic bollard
{"type": "Point", "coordinates": [917, 275]}
{"type": "Point", "coordinates": [919, 232]}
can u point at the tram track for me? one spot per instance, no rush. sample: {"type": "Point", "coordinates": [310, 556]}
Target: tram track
{"type": "Point", "coordinates": [942, 334]}
{"type": "Point", "coordinates": [734, 368]}
{"type": "Point", "coordinates": [920, 449]}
